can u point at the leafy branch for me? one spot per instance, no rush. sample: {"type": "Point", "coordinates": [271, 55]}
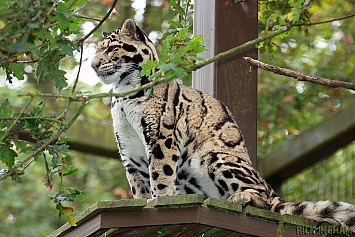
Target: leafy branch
{"type": "Point", "coordinates": [12, 170]}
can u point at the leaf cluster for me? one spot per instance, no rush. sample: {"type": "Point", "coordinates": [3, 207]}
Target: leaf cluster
{"type": "Point", "coordinates": [37, 31]}
{"type": "Point", "coordinates": [275, 14]}
{"type": "Point", "coordinates": [178, 53]}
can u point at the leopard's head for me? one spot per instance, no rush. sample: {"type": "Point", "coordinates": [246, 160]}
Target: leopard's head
{"type": "Point", "coordinates": [122, 52]}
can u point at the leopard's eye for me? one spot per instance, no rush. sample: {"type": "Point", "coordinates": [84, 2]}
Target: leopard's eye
{"type": "Point", "coordinates": [110, 49]}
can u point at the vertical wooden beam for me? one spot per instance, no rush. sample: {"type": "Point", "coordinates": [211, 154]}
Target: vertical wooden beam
{"type": "Point", "coordinates": [225, 25]}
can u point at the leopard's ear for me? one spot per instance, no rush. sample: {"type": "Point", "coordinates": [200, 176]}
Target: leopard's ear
{"type": "Point", "coordinates": [130, 28]}
{"type": "Point", "coordinates": [104, 34]}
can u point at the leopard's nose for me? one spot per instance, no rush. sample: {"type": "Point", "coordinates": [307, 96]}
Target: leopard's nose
{"type": "Point", "coordinates": [95, 66]}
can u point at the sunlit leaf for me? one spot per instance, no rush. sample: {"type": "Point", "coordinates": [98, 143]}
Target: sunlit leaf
{"type": "Point", "coordinates": [2, 24]}
{"type": "Point", "coordinates": [71, 221]}
{"type": "Point", "coordinates": [68, 210]}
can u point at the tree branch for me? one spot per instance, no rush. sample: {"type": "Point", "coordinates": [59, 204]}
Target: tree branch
{"type": "Point", "coordinates": [240, 48]}
{"type": "Point", "coordinates": [81, 97]}
{"type": "Point", "coordinates": [298, 75]}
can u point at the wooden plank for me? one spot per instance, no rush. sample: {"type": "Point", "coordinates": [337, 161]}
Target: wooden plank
{"type": "Point", "coordinates": [224, 25]}
{"type": "Point", "coordinates": [309, 147]}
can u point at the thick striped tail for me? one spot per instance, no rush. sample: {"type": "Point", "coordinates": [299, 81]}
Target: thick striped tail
{"type": "Point", "coordinates": [335, 213]}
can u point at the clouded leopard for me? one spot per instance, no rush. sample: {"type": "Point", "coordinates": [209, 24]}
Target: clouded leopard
{"type": "Point", "coordinates": [182, 141]}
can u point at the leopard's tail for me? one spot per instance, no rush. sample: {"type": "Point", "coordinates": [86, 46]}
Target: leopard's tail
{"type": "Point", "coordinates": [335, 213]}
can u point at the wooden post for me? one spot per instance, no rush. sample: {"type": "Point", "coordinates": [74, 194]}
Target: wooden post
{"type": "Point", "coordinates": [225, 25]}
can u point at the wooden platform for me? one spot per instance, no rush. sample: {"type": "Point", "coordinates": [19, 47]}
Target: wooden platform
{"type": "Point", "coordinates": [186, 216]}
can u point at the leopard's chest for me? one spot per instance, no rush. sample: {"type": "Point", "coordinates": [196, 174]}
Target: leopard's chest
{"type": "Point", "coordinates": [126, 116]}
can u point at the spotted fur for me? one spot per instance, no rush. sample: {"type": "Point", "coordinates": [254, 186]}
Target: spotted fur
{"type": "Point", "coordinates": [182, 141]}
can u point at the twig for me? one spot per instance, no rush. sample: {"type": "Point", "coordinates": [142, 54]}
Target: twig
{"type": "Point", "coordinates": [327, 21]}
{"type": "Point", "coordinates": [72, 2]}
{"type": "Point", "coordinates": [7, 132]}
{"type": "Point", "coordinates": [186, 12]}
{"type": "Point", "coordinates": [62, 115]}
{"type": "Point", "coordinates": [80, 64]}
{"type": "Point", "coordinates": [100, 23]}
{"type": "Point", "coordinates": [299, 76]}
{"type": "Point", "coordinates": [87, 17]}
{"type": "Point", "coordinates": [32, 118]}
{"type": "Point", "coordinates": [81, 7]}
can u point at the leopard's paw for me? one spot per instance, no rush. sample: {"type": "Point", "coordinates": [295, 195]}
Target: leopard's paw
{"type": "Point", "coordinates": [239, 198]}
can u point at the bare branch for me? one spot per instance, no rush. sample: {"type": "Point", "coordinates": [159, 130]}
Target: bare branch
{"type": "Point", "coordinates": [327, 21]}
{"type": "Point", "coordinates": [299, 76]}
{"type": "Point", "coordinates": [72, 2]}
{"type": "Point", "coordinates": [32, 118]}
{"type": "Point", "coordinates": [100, 23]}
{"type": "Point", "coordinates": [82, 7]}
{"type": "Point", "coordinates": [87, 17]}
{"type": "Point", "coordinates": [186, 12]}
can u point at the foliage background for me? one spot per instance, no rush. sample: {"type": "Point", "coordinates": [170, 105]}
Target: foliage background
{"type": "Point", "coordinates": [285, 107]}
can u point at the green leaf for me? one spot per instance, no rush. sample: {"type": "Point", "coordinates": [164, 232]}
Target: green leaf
{"type": "Point", "coordinates": [62, 197]}
{"type": "Point", "coordinates": [55, 160]}
{"type": "Point", "coordinates": [17, 70]}
{"type": "Point", "coordinates": [74, 194]}
{"type": "Point", "coordinates": [178, 71]}
{"type": "Point", "coordinates": [16, 177]}
{"type": "Point", "coordinates": [148, 67]}
{"type": "Point", "coordinates": [65, 47]}
{"type": "Point", "coordinates": [33, 25]}
{"type": "Point", "coordinates": [7, 155]}
{"type": "Point", "coordinates": [68, 170]}
{"type": "Point", "coordinates": [150, 93]}
{"type": "Point", "coordinates": [4, 109]}
{"type": "Point", "coordinates": [59, 79]}
{"type": "Point", "coordinates": [77, 194]}
{"type": "Point", "coordinates": [60, 209]}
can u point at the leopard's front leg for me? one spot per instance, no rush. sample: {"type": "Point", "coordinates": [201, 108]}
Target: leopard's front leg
{"type": "Point", "coordinates": [162, 153]}
{"type": "Point", "coordinates": [138, 176]}
{"type": "Point", "coordinates": [162, 168]}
